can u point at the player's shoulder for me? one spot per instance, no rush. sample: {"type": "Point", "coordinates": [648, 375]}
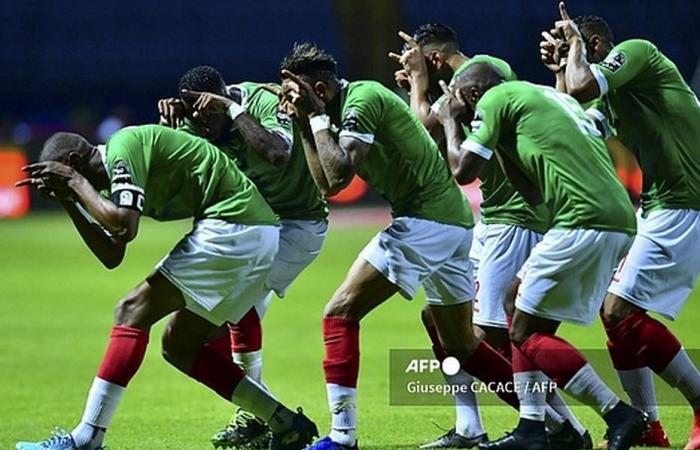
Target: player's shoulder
{"type": "Point", "coordinates": [247, 92]}
{"type": "Point", "coordinates": [368, 88]}
{"type": "Point", "coordinates": [498, 63]}
{"type": "Point", "coordinates": [635, 44]}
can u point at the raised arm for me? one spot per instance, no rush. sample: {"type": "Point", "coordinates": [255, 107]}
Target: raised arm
{"type": "Point", "coordinates": [105, 227]}
{"type": "Point", "coordinates": [413, 62]}
{"type": "Point", "coordinates": [271, 145]}
{"type": "Point", "coordinates": [465, 161]}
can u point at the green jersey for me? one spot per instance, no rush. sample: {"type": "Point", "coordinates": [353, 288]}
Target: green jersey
{"type": "Point", "coordinates": [289, 189]}
{"type": "Point", "coordinates": [657, 115]}
{"type": "Point", "coordinates": [551, 141]}
{"type": "Point", "coordinates": [502, 203]}
{"type": "Point", "coordinates": [170, 175]}
{"type": "Point", "coordinates": [403, 164]}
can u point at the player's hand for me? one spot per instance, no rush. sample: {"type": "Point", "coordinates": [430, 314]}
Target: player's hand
{"type": "Point", "coordinates": [402, 79]}
{"type": "Point", "coordinates": [50, 178]}
{"type": "Point", "coordinates": [565, 27]}
{"type": "Point", "coordinates": [553, 52]}
{"type": "Point", "coordinates": [302, 96]}
{"type": "Point", "coordinates": [451, 106]}
{"type": "Point", "coordinates": [206, 104]}
{"type": "Point", "coordinates": [413, 62]}
{"type": "Point", "coordinates": [172, 112]}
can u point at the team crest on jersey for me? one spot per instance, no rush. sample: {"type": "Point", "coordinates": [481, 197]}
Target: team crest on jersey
{"type": "Point", "coordinates": [351, 121]}
{"type": "Point", "coordinates": [121, 174]}
{"type": "Point", "coordinates": [614, 62]}
{"type": "Point", "coordinates": [477, 121]}
{"type": "Point", "coordinates": [284, 119]}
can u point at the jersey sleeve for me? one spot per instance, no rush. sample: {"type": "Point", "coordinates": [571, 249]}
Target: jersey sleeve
{"type": "Point", "coordinates": [599, 112]}
{"type": "Point", "coordinates": [486, 125]}
{"type": "Point", "coordinates": [262, 105]}
{"type": "Point", "coordinates": [624, 63]}
{"type": "Point", "coordinates": [362, 113]}
{"type": "Point", "coordinates": [127, 164]}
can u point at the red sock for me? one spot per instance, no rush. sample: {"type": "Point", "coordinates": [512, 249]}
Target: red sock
{"type": "Point", "coordinates": [124, 355]}
{"type": "Point", "coordinates": [214, 368]}
{"type": "Point", "coordinates": [341, 337]}
{"type": "Point", "coordinates": [438, 350]}
{"type": "Point", "coordinates": [641, 341]}
{"type": "Point", "coordinates": [246, 335]}
{"type": "Point", "coordinates": [488, 365]}
{"type": "Point", "coordinates": [558, 359]}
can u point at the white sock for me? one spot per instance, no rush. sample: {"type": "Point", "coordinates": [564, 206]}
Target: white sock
{"type": "Point", "coordinates": [342, 401]}
{"type": "Point", "coordinates": [639, 386]}
{"type": "Point", "coordinates": [557, 403]}
{"type": "Point", "coordinates": [252, 397]}
{"type": "Point", "coordinates": [531, 393]}
{"type": "Point", "coordinates": [468, 421]}
{"type": "Point", "coordinates": [682, 374]}
{"type": "Point", "coordinates": [251, 363]}
{"type": "Point", "coordinates": [587, 387]}
{"type": "Point", "coordinates": [102, 401]}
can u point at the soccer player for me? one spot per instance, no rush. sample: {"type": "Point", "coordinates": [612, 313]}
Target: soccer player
{"type": "Point", "coordinates": [508, 230]}
{"type": "Point", "coordinates": [363, 128]}
{"type": "Point", "coordinates": [552, 152]}
{"type": "Point", "coordinates": [243, 121]}
{"type": "Point", "coordinates": [656, 115]}
{"type": "Point", "coordinates": [213, 275]}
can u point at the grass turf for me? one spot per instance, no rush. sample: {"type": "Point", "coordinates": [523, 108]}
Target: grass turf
{"type": "Point", "coordinates": [56, 304]}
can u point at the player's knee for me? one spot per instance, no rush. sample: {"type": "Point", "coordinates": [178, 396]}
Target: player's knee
{"type": "Point", "coordinates": [341, 305]}
{"type": "Point", "coordinates": [517, 335]}
{"type": "Point", "coordinates": [128, 309]}
{"type": "Point", "coordinates": [616, 309]}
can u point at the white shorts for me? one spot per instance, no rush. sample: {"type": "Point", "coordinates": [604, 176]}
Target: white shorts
{"type": "Point", "coordinates": [663, 264]}
{"type": "Point", "coordinates": [411, 252]}
{"type": "Point", "coordinates": [300, 244]}
{"type": "Point", "coordinates": [566, 275]}
{"type": "Point", "coordinates": [221, 268]}
{"type": "Point", "coordinates": [498, 252]}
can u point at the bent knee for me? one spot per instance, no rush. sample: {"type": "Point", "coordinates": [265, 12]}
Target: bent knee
{"type": "Point", "coordinates": [616, 309]}
{"type": "Point", "coordinates": [128, 308]}
{"type": "Point", "coordinates": [517, 335]}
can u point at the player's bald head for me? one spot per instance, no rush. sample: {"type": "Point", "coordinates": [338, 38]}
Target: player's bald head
{"type": "Point", "coordinates": [60, 145]}
{"type": "Point", "coordinates": [481, 75]}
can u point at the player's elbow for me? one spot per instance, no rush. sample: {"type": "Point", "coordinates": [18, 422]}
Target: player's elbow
{"type": "Point", "coordinates": [583, 90]}
{"type": "Point", "coordinates": [113, 259]}
{"type": "Point", "coordinates": [278, 157]}
{"type": "Point", "coordinates": [464, 176]}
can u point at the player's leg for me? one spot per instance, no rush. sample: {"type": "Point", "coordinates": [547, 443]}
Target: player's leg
{"type": "Point", "coordinates": [468, 424]}
{"type": "Point", "coordinates": [567, 262]}
{"type": "Point", "coordinates": [150, 301]}
{"type": "Point", "coordinates": [657, 275]}
{"type": "Point", "coordinates": [299, 244]}
{"type": "Point", "coordinates": [363, 289]}
{"type": "Point", "coordinates": [185, 347]}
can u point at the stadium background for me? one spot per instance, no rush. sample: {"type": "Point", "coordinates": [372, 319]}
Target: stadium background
{"type": "Point", "coordinates": [93, 66]}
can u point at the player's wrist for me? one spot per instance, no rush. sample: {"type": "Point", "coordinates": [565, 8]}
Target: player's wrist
{"type": "Point", "coordinates": [235, 110]}
{"type": "Point", "coordinates": [319, 122]}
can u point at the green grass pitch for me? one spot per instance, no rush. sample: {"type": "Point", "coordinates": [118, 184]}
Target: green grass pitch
{"type": "Point", "coordinates": [56, 304]}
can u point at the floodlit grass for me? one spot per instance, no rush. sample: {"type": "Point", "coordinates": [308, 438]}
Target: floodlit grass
{"type": "Point", "coordinates": [56, 304]}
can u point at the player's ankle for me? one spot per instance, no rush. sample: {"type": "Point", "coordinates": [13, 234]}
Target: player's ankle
{"type": "Point", "coordinates": [87, 437]}
{"type": "Point", "coordinates": [347, 438]}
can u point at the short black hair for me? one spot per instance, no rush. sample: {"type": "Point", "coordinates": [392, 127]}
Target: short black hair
{"type": "Point", "coordinates": [309, 60]}
{"type": "Point", "coordinates": [203, 79]}
{"type": "Point", "coordinates": [60, 145]}
{"type": "Point", "coordinates": [590, 25]}
{"type": "Point", "coordinates": [437, 34]}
